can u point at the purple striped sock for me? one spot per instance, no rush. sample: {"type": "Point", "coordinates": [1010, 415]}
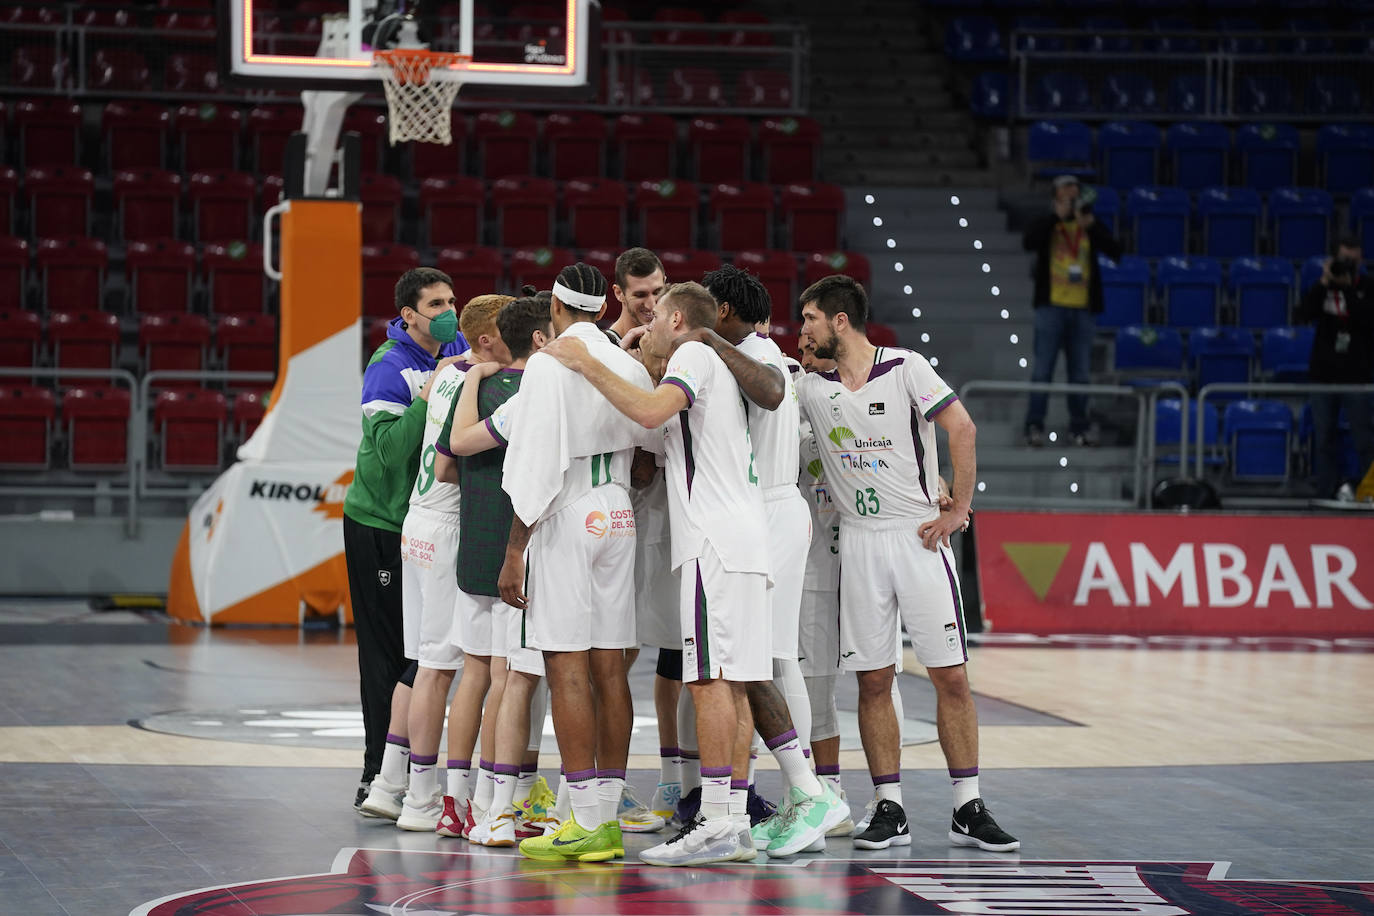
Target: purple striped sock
{"type": "Point", "coordinates": [459, 764]}
{"type": "Point", "coordinates": [740, 784]}
{"type": "Point", "coordinates": [715, 772]}
{"type": "Point", "coordinates": [828, 769]}
{"type": "Point", "coordinates": [506, 769]}
{"type": "Point", "coordinates": [885, 780]}
{"type": "Point", "coordinates": [424, 760]}
{"type": "Point", "coordinates": [669, 752]}
{"type": "Point", "coordinates": [527, 768]}
{"type": "Point", "coordinates": [610, 774]}
{"type": "Point", "coordinates": [780, 740]}
{"type": "Point", "coordinates": [953, 774]}
{"type": "Point", "coordinates": [581, 775]}
{"type": "Point", "coordinates": [402, 740]}
{"type": "Point", "coordinates": [484, 764]}
{"type": "Point", "coordinates": [690, 755]}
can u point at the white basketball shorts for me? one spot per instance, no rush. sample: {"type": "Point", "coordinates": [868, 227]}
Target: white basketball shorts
{"type": "Point", "coordinates": [789, 539]}
{"type": "Point", "coordinates": [429, 587]}
{"type": "Point", "coordinates": [725, 622]}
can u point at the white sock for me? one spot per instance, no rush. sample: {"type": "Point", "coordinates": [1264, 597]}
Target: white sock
{"type": "Point", "coordinates": [563, 805]}
{"type": "Point", "coordinates": [691, 771]}
{"type": "Point", "coordinates": [395, 760]}
{"type": "Point", "coordinates": [586, 801]}
{"type": "Point", "coordinates": [524, 783]}
{"type": "Point", "coordinates": [889, 791]}
{"type": "Point", "coordinates": [424, 778]}
{"type": "Point", "coordinates": [486, 784]}
{"type": "Point", "coordinates": [459, 779]}
{"type": "Point", "coordinates": [965, 786]}
{"type": "Point", "coordinates": [739, 798]}
{"type": "Point", "coordinates": [795, 766]}
{"type": "Point", "coordinates": [669, 766]}
{"type": "Point", "coordinates": [609, 789]}
{"type": "Point", "coordinates": [503, 779]}
{"type": "Point", "coordinates": [834, 780]}
{"type": "Point", "coordinates": [715, 793]}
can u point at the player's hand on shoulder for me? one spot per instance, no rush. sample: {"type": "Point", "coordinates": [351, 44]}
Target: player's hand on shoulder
{"type": "Point", "coordinates": [483, 370]}
{"type": "Point", "coordinates": [633, 337]}
{"type": "Point", "coordinates": [697, 335]}
{"type": "Point", "coordinates": [569, 351]}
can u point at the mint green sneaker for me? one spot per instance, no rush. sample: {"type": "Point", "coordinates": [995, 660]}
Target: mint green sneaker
{"type": "Point", "coordinates": [805, 821]}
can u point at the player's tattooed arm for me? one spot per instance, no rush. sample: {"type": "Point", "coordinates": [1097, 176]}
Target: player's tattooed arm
{"type": "Point", "coordinates": [761, 383]}
{"type": "Point", "coordinates": [511, 581]}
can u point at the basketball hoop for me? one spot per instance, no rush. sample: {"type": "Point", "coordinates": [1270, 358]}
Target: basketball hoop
{"type": "Point", "coordinates": [419, 102]}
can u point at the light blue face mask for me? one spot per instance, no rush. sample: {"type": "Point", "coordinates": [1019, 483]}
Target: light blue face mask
{"type": "Point", "coordinates": [444, 327]}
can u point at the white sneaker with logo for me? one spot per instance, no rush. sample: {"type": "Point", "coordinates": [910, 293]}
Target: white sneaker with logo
{"type": "Point", "coordinates": [421, 814]}
{"type": "Point", "coordinates": [701, 842]}
{"type": "Point", "coordinates": [383, 800]}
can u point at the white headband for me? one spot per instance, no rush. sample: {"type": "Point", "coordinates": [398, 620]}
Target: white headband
{"type": "Point", "coordinates": [582, 301]}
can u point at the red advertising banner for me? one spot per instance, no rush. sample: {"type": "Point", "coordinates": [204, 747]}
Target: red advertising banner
{"type": "Point", "coordinates": [1145, 575]}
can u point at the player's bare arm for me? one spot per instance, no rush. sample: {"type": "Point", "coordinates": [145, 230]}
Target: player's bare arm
{"type": "Point", "coordinates": [650, 409]}
{"type": "Point", "coordinates": [469, 435]}
{"type": "Point", "coordinates": [511, 582]}
{"type": "Point", "coordinates": [761, 383]}
{"type": "Point", "coordinates": [955, 421]}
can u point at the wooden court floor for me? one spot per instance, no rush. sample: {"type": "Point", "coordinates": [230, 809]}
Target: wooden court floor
{"type": "Point", "coordinates": [147, 767]}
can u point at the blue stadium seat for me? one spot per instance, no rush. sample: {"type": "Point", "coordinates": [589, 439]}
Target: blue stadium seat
{"type": "Point", "coordinates": [1221, 355]}
{"type": "Point", "coordinates": [1108, 208]}
{"type": "Point", "coordinates": [1362, 214]}
{"type": "Point", "coordinates": [1172, 43]}
{"type": "Point", "coordinates": [1262, 289]}
{"type": "Point", "coordinates": [1258, 433]}
{"type": "Point", "coordinates": [1159, 220]}
{"type": "Point", "coordinates": [1060, 91]}
{"type": "Point", "coordinates": [974, 38]}
{"type": "Point", "coordinates": [1268, 155]}
{"type": "Point", "coordinates": [1169, 415]}
{"type": "Point", "coordinates": [1066, 147]}
{"type": "Point", "coordinates": [1305, 42]}
{"type": "Point", "coordinates": [1129, 93]}
{"type": "Point", "coordinates": [990, 95]}
{"type": "Point", "coordinates": [1130, 153]}
{"type": "Point", "coordinates": [1230, 221]}
{"type": "Point", "coordinates": [1198, 151]}
{"type": "Point", "coordinates": [1188, 95]}
{"type": "Point", "coordinates": [1125, 291]}
{"type": "Point", "coordinates": [1236, 41]}
{"type": "Point", "coordinates": [1300, 219]}
{"type": "Point", "coordinates": [1031, 41]}
{"type": "Point", "coordinates": [1286, 352]}
{"type": "Point", "coordinates": [1329, 94]}
{"type": "Point", "coordinates": [1146, 355]}
{"type": "Point", "coordinates": [1105, 44]}
{"type": "Point", "coordinates": [1310, 272]}
{"type": "Point", "coordinates": [1263, 95]}
{"type": "Point", "coordinates": [1191, 288]}
{"type": "Point", "coordinates": [1346, 155]}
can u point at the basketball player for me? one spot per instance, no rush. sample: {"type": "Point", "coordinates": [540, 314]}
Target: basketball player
{"type": "Point", "coordinates": [719, 546]}
{"type": "Point", "coordinates": [396, 387]}
{"type": "Point", "coordinates": [429, 556]}
{"type": "Point", "coordinates": [639, 281]}
{"type": "Point", "coordinates": [874, 417]}
{"type": "Point", "coordinates": [568, 455]}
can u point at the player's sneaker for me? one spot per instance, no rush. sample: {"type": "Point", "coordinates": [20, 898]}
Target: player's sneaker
{"type": "Point", "coordinates": [805, 820]}
{"type": "Point", "coordinates": [748, 850]}
{"type": "Point", "coordinates": [635, 816]}
{"type": "Point", "coordinates": [666, 797]}
{"type": "Point", "coordinates": [846, 826]}
{"type": "Point", "coordinates": [383, 800]}
{"type": "Point", "coordinates": [760, 809]}
{"type": "Point", "coordinates": [452, 821]}
{"type": "Point", "coordinates": [361, 796]}
{"type": "Point", "coordinates": [495, 831]}
{"type": "Point", "coordinates": [535, 817]}
{"type": "Point", "coordinates": [888, 828]}
{"type": "Point", "coordinates": [699, 842]}
{"type": "Point", "coordinates": [972, 825]}
{"type": "Point", "coordinates": [421, 814]}
{"type": "Point", "coordinates": [864, 821]}
{"type": "Point", "coordinates": [688, 807]}
{"type": "Point", "coordinates": [571, 841]}
{"type": "Point", "coordinates": [472, 818]}
{"type": "Point", "coordinates": [542, 796]}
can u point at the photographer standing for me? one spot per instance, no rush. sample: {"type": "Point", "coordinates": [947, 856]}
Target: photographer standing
{"type": "Point", "coordinates": [1068, 296]}
{"type": "Point", "coordinates": [1341, 308]}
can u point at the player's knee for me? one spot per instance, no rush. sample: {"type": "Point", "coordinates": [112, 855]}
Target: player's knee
{"type": "Point", "coordinates": [950, 683]}
{"type": "Point", "coordinates": [670, 664]}
{"type": "Point", "coordinates": [875, 685]}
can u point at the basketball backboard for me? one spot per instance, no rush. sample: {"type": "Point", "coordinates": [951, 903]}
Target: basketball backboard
{"type": "Point", "coordinates": [545, 46]}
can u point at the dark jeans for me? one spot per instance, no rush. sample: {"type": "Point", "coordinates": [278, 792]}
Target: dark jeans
{"type": "Point", "coordinates": [1326, 438]}
{"type": "Point", "coordinates": [1071, 330]}
{"type": "Point", "coordinates": [373, 557]}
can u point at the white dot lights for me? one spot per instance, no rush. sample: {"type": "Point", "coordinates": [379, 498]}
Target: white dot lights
{"type": "Point", "coordinates": [935, 360]}
{"type": "Point", "coordinates": [982, 485]}
{"type": "Point", "coordinates": [987, 268]}
{"type": "Point", "coordinates": [916, 313]}
{"type": "Point", "coordinates": [1054, 437]}
{"type": "Point", "coordinates": [977, 244]}
{"type": "Point", "coordinates": [925, 338]}
{"type": "Point", "coordinates": [996, 290]}
{"type": "Point", "coordinates": [891, 243]}
{"type": "Point", "coordinates": [954, 200]}
{"type": "Point", "coordinates": [1073, 487]}
{"type": "Point", "coordinates": [868, 198]}
{"type": "Point", "coordinates": [899, 267]}
{"type": "Point", "coordinates": [1005, 314]}
{"type": "Point", "coordinates": [1015, 339]}
{"type": "Point", "coordinates": [1063, 461]}
{"type": "Point", "coordinates": [907, 289]}
{"type": "Point", "coordinates": [1021, 362]}
{"type": "Point", "coordinates": [877, 220]}
{"type": "Point", "coordinates": [963, 223]}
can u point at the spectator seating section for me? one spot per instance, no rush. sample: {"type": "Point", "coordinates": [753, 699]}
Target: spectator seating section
{"type": "Point", "coordinates": [1230, 220]}
{"type": "Point", "coordinates": [791, 149]}
{"type": "Point", "coordinates": [1268, 155]}
{"type": "Point", "coordinates": [20, 333]}
{"type": "Point", "coordinates": [1345, 155]}
{"type": "Point", "coordinates": [719, 149]}
{"type": "Point", "coordinates": [72, 272]}
{"type": "Point", "coordinates": [1060, 147]}
{"type": "Point", "coordinates": [247, 342]}
{"type": "Point", "coordinates": [208, 137]}
{"type": "Point", "coordinates": [59, 201]}
{"type": "Point", "coordinates": [381, 198]}
{"type": "Point", "coordinates": [95, 421]}
{"type": "Point", "coordinates": [246, 413]}
{"type": "Point", "coordinates": [524, 209]}
{"type": "Point", "coordinates": [160, 273]}
{"type": "Point", "coordinates": [83, 340]}
{"type": "Point", "coordinates": [1362, 215]}
{"type": "Point", "coordinates": [1258, 433]}
{"type": "Point", "coordinates": [233, 276]}
{"type": "Point", "coordinates": [148, 201]}
{"type": "Point", "coordinates": [645, 146]}
{"type": "Point", "coordinates": [1262, 289]}
{"type": "Point", "coordinates": [538, 266]}
{"type": "Point", "coordinates": [505, 143]}
{"type": "Point", "coordinates": [576, 143]}
{"type": "Point", "coordinates": [1285, 353]}
{"type": "Point", "coordinates": [190, 426]}
{"type": "Point", "coordinates": [223, 205]}
{"type": "Point", "coordinates": [474, 270]}
{"type": "Point", "coordinates": [814, 216]}
{"type": "Point", "coordinates": [173, 343]}
{"type": "Point", "coordinates": [1168, 422]}
{"type": "Point", "coordinates": [382, 264]}
{"type": "Point", "coordinates": [28, 412]}
{"type": "Point", "coordinates": [1130, 153]}
{"type": "Point", "coordinates": [1299, 221]}
{"type": "Point", "coordinates": [596, 209]}
{"type": "Point", "coordinates": [778, 273]}
{"type": "Point", "coordinates": [1146, 354]}
{"type": "Point", "coordinates": [667, 214]}
{"type": "Point", "coordinates": [452, 209]}
{"type": "Point", "coordinates": [135, 134]}
{"type": "Point", "coordinates": [824, 263]}
{"type": "Point", "coordinates": [1125, 290]}
{"type": "Point", "coordinates": [1198, 154]}
{"type": "Point", "coordinates": [1221, 355]}
{"type": "Point", "coordinates": [742, 215]}
{"type": "Point", "coordinates": [1191, 289]}
{"type": "Point", "coordinates": [1159, 219]}
{"type": "Point", "coordinates": [14, 271]}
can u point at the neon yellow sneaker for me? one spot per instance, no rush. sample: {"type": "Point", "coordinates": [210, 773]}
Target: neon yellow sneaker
{"type": "Point", "coordinates": [572, 841]}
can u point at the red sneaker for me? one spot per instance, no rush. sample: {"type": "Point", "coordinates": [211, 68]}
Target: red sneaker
{"type": "Point", "coordinates": [451, 822]}
{"type": "Point", "coordinates": [469, 822]}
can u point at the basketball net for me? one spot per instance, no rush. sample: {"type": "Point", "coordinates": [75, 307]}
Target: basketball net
{"type": "Point", "coordinates": [420, 105]}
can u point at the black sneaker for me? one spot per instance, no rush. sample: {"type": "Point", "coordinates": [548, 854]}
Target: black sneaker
{"type": "Point", "coordinates": [688, 807]}
{"type": "Point", "coordinates": [760, 809]}
{"type": "Point", "coordinates": [972, 825]}
{"type": "Point", "coordinates": [361, 797]}
{"type": "Point", "coordinates": [888, 828]}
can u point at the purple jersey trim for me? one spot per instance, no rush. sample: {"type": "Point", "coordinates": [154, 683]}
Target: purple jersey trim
{"type": "Point", "coordinates": [691, 398]}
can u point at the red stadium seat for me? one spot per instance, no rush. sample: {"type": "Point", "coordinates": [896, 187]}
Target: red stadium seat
{"type": "Point", "coordinates": [247, 342]}
{"type": "Point", "coordinates": [381, 197]}
{"type": "Point", "coordinates": [695, 87]}
{"type": "Point", "coordinates": [778, 273]}
{"type": "Point", "coordinates": [208, 136]}
{"type": "Point", "coordinates": [20, 332]}
{"type": "Point", "coordinates": [646, 146]}
{"type": "Point", "coordinates": [271, 193]}
{"type": "Point", "coordinates": [720, 149]}
{"type": "Point", "coordinates": [596, 212]}
{"type": "Point", "coordinates": [537, 22]}
{"type": "Point", "coordinates": [135, 134]}
{"type": "Point", "coordinates": [49, 132]}
{"type": "Point", "coordinates": [191, 73]}
{"type": "Point", "coordinates": [72, 273]}
{"type": "Point", "coordinates": [233, 276]}
{"type": "Point", "coordinates": [577, 145]}
{"type": "Point", "coordinates": [475, 271]}
{"type": "Point", "coordinates": [376, 336]}
{"type": "Point", "coordinates": [791, 149]}
{"type": "Point", "coordinates": [147, 203]}
{"type": "Point", "coordinates": [270, 126]}
{"type": "Point", "coordinates": [187, 24]}
{"type": "Point", "coordinates": [222, 205]}
{"type": "Point", "coordinates": [538, 266]}
{"type": "Point", "coordinates": [160, 272]}
{"type": "Point", "coordinates": [764, 89]}
{"type": "Point", "coordinates": [248, 410]}
{"type": "Point", "coordinates": [505, 143]}
{"type": "Point", "coordinates": [14, 271]}
{"type": "Point", "coordinates": [96, 424]}
{"type": "Point", "coordinates": [27, 413]}
{"type": "Point", "coordinates": [59, 200]}
{"type": "Point", "coordinates": [524, 209]}
{"type": "Point", "coordinates": [746, 38]}
{"type": "Point", "coordinates": [41, 68]}
{"type": "Point", "coordinates": [689, 264]}
{"type": "Point", "coordinates": [83, 340]}
{"type": "Point", "coordinates": [117, 70]}
{"type": "Point", "coordinates": [881, 335]}
{"type": "Point", "coordinates": [680, 16]}
{"type": "Point", "coordinates": [9, 186]}
{"type": "Point", "coordinates": [630, 87]}
{"type": "Point", "coordinates": [382, 267]}
{"type": "Point", "coordinates": [370, 125]}
{"type": "Point", "coordinates": [603, 259]}
{"type": "Point", "coordinates": [174, 343]}
{"type": "Point", "coordinates": [742, 215]}
{"type": "Point", "coordinates": [453, 209]}
{"type": "Point", "coordinates": [814, 216]}
{"type": "Point", "coordinates": [189, 426]}
{"type": "Point", "coordinates": [435, 159]}
{"type": "Point", "coordinates": [850, 263]}
{"type": "Point", "coordinates": [667, 214]}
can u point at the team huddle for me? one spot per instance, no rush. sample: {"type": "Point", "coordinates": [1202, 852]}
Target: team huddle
{"type": "Point", "coordinates": [549, 496]}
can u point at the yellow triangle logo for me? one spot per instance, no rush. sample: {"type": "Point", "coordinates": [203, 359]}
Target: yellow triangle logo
{"type": "Point", "coordinates": [1037, 563]}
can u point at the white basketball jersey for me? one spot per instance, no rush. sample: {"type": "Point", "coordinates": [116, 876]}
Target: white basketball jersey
{"type": "Point", "coordinates": [713, 492]}
{"type": "Point", "coordinates": [429, 493]}
{"type": "Point", "coordinates": [823, 558]}
{"type": "Point", "coordinates": [774, 433]}
{"type": "Point", "coordinates": [877, 444]}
